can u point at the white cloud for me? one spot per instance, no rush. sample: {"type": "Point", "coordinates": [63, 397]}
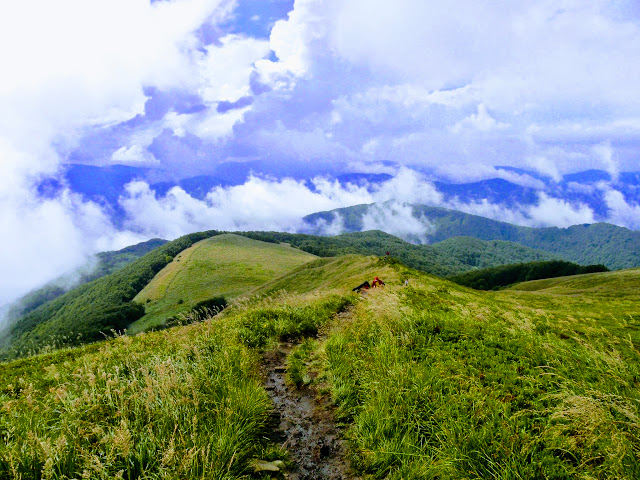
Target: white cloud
{"type": "Point", "coordinates": [416, 67]}
{"type": "Point", "coordinates": [45, 238]}
{"type": "Point", "coordinates": [610, 164]}
{"type": "Point", "coordinates": [213, 126]}
{"type": "Point", "coordinates": [481, 121]}
{"type": "Point", "coordinates": [225, 69]}
{"type": "Point", "coordinates": [133, 155]}
{"type": "Point", "coordinates": [620, 211]}
{"type": "Point", "coordinates": [335, 227]}
{"type": "Point", "coordinates": [68, 66]}
{"type": "Point", "coordinates": [408, 186]}
{"type": "Point", "coordinates": [560, 213]}
{"type": "Point", "coordinates": [258, 204]}
{"type": "Point", "coordinates": [294, 41]}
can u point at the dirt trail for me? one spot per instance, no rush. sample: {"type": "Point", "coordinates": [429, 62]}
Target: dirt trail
{"type": "Point", "coordinates": [303, 423]}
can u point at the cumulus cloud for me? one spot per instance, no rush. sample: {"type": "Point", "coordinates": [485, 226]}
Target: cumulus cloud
{"type": "Point", "coordinates": [258, 204]}
{"type": "Point", "coordinates": [133, 155]}
{"type": "Point", "coordinates": [67, 67]}
{"type": "Point", "coordinates": [557, 212]}
{"type": "Point", "coordinates": [416, 78]}
{"type": "Point", "coordinates": [481, 121]}
{"type": "Point", "coordinates": [270, 204]}
{"type": "Point", "coordinates": [622, 212]}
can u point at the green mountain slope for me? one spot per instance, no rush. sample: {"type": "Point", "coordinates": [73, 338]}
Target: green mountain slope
{"type": "Point", "coordinates": [225, 265]}
{"type": "Point", "coordinates": [476, 253]}
{"type": "Point", "coordinates": [600, 243]}
{"type": "Point", "coordinates": [342, 273]}
{"type": "Point", "coordinates": [455, 256]}
{"type": "Point", "coordinates": [91, 311]}
{"type": "Point", "coordinates": [622, 283]}
{"type": "Point", "coordinates": [430, 380]}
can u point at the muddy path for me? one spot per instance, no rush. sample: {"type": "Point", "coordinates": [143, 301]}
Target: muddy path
{"type": "Point", "coordinates": [303, 422]}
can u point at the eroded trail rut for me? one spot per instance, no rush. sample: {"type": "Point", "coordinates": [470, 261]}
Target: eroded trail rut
{"type": "Point", "coordinates": [303, 423]}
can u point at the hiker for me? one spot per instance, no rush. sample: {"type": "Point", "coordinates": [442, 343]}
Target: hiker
{"type": "Point", "coordinates": [377, 283]}
{"type": "Point", "coordinates": [363, 286]}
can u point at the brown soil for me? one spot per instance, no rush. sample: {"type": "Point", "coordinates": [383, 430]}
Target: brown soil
{"type": "Point", "coordinates": [303, 422]}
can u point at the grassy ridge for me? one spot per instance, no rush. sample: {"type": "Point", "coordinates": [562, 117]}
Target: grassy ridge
{"type": "Point", "coordinates": [180, 403]}
{"type": "Point", "coordinates": [342, 273]}
{"type": "Point", "coordinates": [595, 307]}
{"type": "Point", "coordinates": [441, 382]}
{"type": "Point", "coordinates": [432, 380]}
{"type": "Point", "coordinates": [225, 265]}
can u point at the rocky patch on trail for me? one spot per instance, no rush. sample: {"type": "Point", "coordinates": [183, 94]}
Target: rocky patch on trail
{"type": "Point", "coordinates": [303, 423]}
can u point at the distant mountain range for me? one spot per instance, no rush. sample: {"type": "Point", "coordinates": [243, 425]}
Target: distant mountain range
{"type": "Point", "coordinates": [106, 184]}
{"type": "Point", "coordinates": [460, 242]}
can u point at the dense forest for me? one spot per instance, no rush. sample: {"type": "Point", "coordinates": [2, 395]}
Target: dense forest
{"type": "Point", "coordinates": [504, 275]}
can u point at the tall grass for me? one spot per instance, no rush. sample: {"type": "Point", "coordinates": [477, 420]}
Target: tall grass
{"type": "Point", "coordinates": [436, 385]}
{"type": "Point", "coordinates": [288, 317]}
{"type": "Point", "coordinates": [184, 403]}
{"type": "Point", "coordinates": [181, 403]}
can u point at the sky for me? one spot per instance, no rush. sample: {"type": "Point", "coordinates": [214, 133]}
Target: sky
{"type": "Point", "coordinates": [299, 92]}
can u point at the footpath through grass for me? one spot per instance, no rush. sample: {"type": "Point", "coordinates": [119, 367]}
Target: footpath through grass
{"type": "Point", "coordinates": [187, 402]}
{"type": "Point", "coordinates": [436, 381]}
{"type": "Point", "coordinates": [431, 380]}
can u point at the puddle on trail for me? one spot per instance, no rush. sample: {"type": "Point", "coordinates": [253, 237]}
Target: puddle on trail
{"type": "Point", "coordinates": [303, 423]}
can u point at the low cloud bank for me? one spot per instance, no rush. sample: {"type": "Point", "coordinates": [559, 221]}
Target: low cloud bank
{"type": "Point", "coordinates": [73, 229]}
{"type": "Point", "coordinates": [280, 204]}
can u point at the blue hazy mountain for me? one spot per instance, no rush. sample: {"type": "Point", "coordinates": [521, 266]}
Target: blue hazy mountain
{"type": "Point", "coordinates": [495, 190]}
{"type": "Point", "coordinates": [105, 185]}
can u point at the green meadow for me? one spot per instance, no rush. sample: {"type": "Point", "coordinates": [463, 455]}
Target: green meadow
{"type": "Point", "coordinates": [429, 380]}
{"type": "Point", "coordinates": [224, 265]}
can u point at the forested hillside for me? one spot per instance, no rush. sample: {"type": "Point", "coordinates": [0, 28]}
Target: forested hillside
{"type": "Point", "coordinates": [505, 275]}
{"type": "Point", "coordinates": [600, 243]}
{"type": "Point", "coordinates": [91, 311]}
{"type": "Point", "coordinates": [106, 263]}
{"type": "Point", "coordinates": [449, 258]}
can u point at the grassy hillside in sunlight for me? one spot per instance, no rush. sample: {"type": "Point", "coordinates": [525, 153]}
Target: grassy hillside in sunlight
{"type": "Point", "coordinates": [225, 265]}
